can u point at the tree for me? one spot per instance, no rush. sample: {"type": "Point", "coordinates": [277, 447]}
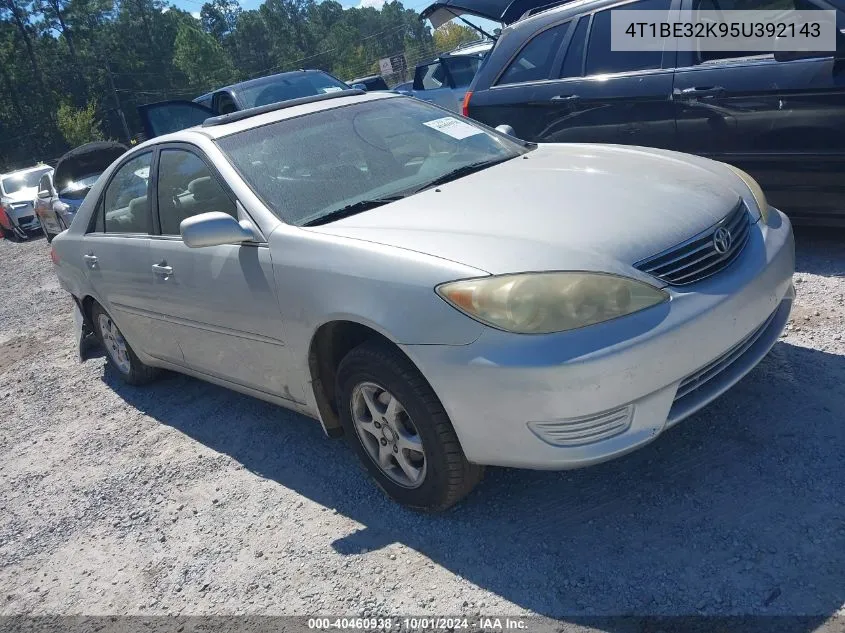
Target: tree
{"type": "Point", "coordinates": [79, 126]}
{"type": "Point", "coordinates": [220, 17]}
{"type": "Point", "coordinates": [201, 58]}
{"type": "Point", "coordinates": [451, 35]}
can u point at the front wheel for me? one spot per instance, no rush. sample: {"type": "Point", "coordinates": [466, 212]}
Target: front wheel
{"type": "Point", "coordinates": [400, 430]}
{"type": "Point", "coordinates": [118, 352]}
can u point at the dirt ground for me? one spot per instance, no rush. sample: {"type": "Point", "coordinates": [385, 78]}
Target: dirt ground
{"type": "Point", "coordinates": [183, 497]}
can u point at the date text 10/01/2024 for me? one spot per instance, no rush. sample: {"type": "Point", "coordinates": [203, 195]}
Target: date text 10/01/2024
{"type": "Point", "coordinates": [418, 624]}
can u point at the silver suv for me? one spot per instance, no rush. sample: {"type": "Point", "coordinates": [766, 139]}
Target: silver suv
{"type": "Point", "coordinates": [444, 80]}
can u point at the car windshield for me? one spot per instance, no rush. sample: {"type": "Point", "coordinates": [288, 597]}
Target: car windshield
{"type": "Point", "coordinates": [314, 166]}
{"type": "Point", "coordinates": [286, 87]}
{"type": "Point", "coordinates": [79, 187]}
{"type": "Point", "coordinates": [17, 182]}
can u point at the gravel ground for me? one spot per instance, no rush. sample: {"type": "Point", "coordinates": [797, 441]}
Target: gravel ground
{"type": "Point", "coordinates": [183, 497]}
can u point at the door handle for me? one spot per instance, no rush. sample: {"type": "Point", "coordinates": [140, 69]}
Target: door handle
{"type": "Point", "coordinates": [90, 260]}
{"type": "Point", "coordinates": [163, 270]}
{"type": "Point", "coordinates": [568, 98]}
{"type": "Point", "coordinates": [699, 92]}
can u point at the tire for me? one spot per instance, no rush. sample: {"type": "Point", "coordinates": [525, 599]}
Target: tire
{"type": "Point", "coordinates": [118, 352]}
{"type": "Point", "coordinates": [375, 374]}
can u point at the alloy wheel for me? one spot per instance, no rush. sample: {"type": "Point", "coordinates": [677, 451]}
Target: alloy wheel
{"type": "Point", "coordinates": [115, 344]}
{"type": "Point", "coordinates": [388, 434]}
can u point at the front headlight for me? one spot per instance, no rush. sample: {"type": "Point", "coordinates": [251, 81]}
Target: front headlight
{"type": "Point", "coordinates": [539, 303]}
{"type": "Point", "coordinates": [756, 191]}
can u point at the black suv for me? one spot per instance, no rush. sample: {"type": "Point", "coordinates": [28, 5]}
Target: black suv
{"type": "Point", "coordinates": [779, 116]}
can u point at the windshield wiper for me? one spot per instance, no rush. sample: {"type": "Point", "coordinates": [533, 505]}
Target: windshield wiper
{"type": "Point", "coordinates": [460, 172]}
{"type": "Point", "coordinates": [351, 209]}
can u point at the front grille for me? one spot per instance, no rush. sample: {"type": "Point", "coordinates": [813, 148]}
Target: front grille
{"type": "Point", "coordinates": [584, 430]}
{"type": "Point", "coordinates": [714, 368]}
{"type": "Point", "coordinates": [698, 257]}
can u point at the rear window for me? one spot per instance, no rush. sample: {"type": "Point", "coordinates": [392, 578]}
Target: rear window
{"type": "Point", "coordinates": [284, 88]}
{"type": "Point", "coordinates": [534, 61]}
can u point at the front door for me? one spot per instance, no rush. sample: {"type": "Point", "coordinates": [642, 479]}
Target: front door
{"type": "Point", "coordinates": [781, 120]}
{"type": "Point", "coordinates": [218, 302]}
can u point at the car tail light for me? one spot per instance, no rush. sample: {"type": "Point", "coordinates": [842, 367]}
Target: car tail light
{"type": "Point", "coordinates": [54, 255]}
{"type": "Point", "coordinates": [465, 107]}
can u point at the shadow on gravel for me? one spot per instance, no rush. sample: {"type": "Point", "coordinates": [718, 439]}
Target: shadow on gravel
{"type": "Point", "coordinates": [738, 510]}
{"type": "Point", "coordinates": [820, 250]}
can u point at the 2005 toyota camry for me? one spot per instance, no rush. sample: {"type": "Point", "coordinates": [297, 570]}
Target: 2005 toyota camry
{"type": "Point", "coordinates": [442, 294]}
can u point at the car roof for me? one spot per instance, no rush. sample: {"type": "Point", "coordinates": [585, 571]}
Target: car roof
{"type": "Point", "coordinates": [471, 49]}
{"type": "Point", "coordinates": [280, 113]}
{"type": "Point", "coordinates": [260, 81]}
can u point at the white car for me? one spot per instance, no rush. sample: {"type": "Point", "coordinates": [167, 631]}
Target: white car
{"type": "Point", "coordinates": [18, 192]}
{"type": "Point", "coordinates": [445, 296]}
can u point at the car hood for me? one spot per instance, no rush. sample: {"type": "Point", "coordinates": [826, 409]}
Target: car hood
{"type": "Point", "coordinates": [27, 194]}
{"type": "Point", "coordinates": [504, 11]}
{"type": "Point", "coordinates": [560, 207]}
{"type": "Point", "coordinates": [86, 160]}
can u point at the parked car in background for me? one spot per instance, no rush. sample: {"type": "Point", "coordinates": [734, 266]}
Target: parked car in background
{"type": "Point", "coordinates": [444, 295]}
{"type": "Point", "coordinates": [373, 82]}
{"type": "Point", "coordinates": [780, 116]}
{"type": "Point", "coordinates": [445, 79]}
{"type": "Point", "coordinates": [18, 191]}
{"type": "Point", "coordinates": [60, 192]}
{"type": "Point", "coordinates": [246, 94]}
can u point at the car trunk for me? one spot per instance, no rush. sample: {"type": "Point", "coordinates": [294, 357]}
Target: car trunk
{"type": "Point", "coordinates": [504, 11]}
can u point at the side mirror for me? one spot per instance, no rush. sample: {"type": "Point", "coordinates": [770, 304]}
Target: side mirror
{"type": "Point", "coordinates": [213, 229]}
{"type": "Point", "coordinates": [44, 193]}
{"type": "Point", "coordinates": [360, 87]}
{"type": "Point", "coordinates": [506, 129]}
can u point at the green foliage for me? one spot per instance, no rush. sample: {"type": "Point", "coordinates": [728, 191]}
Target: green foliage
{"type": "Point", "coordinates": [451, 35]}
{"type": "Point", "coordinates": [59, 57]}
{"type": "Point", "coordinates": [201, 58]}
{"type": "Point", "coordinates": [79, 125]}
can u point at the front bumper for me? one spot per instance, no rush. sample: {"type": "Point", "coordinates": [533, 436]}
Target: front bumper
{"type": "Point", "coordinates": [22, 218]}
{"type": "Point", "coordinates": [572, 399]}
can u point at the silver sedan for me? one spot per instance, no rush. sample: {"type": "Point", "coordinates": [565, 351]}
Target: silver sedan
{"type": "Point", "coordinates": [443, 295]}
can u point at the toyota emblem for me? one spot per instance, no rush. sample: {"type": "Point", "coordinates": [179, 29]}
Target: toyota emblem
{"type": "Point", "coordinates": [722, 240]}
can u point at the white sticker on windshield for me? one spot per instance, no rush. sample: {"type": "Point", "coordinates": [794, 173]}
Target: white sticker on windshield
{"type": "Point", "coordinates": [453, 127]}
{"type": "Point", "coordinates": [329, 89]}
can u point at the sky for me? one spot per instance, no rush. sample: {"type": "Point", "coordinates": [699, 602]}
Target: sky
{"type": "Point", "coordinates": [194, 6]}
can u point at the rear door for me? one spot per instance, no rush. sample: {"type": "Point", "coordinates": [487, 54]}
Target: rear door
{"type": "Point", "coordinates": [219, 302]}
{"type": "Point", "coordinates": [433, 83]}
{"type": "Point", "coordinates": [115, 253]}
{"type": "Point", "coordinates": [781, 120]}
{"type": "Point", "coordinates": [567, 85]}
{"type": "Point", "coordinates": [171, 116]}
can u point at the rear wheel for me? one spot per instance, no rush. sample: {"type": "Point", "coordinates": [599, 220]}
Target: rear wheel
{"type": "Point", "coordinates": [400, 430]}
{"type": "Point", "coordinates": [118, 351]}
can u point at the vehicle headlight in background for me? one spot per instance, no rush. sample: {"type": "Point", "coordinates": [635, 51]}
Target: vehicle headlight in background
{"type": "Point", "coordinates": [540, 303]}
{"type": "Point", "coordinates": [756, 191]}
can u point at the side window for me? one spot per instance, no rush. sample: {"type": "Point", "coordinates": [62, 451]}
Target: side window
{"type": "Point", "coordinates": [45, 184]}
{"type": "Point", "coordinates": [463, 69]}
{"type": "Point", "coordinates": [430, 77]}
{"type": "Point", "coordinates": [224, 103]}
{"type": "Point", "coordinates": [601, 60]}
{"type": "Point", "coordinates": [740, 5]}
{"type": "Point", "coordinates": [534, 61]}
{"type": "Point", "coordinates": [126, 203]}
{"type": "Point", "coordinates": [186, 188]}
{"type": "Point", "coordinates": [575, 53]}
